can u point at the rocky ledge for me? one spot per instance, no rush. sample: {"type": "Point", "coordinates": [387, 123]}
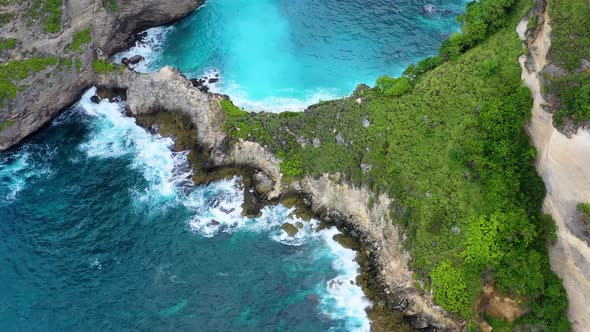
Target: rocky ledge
{"type": "Point", "coordinates": [48, 90]}
{"type": "Point", "coordinates": [329, 197]}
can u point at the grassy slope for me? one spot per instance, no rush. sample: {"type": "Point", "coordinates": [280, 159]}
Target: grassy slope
{"type": "Point", "coordinates": [570, 45]}
{"type": "Point", "coordinates": [453, 152]}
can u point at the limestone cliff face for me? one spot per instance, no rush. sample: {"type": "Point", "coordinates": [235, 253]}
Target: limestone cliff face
{"type": "Point", "coordinates": [563, 163]}
{"type": "Point", "coordinates": [47, 92]}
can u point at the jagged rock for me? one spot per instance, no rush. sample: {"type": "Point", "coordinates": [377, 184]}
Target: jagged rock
{"type": "Point", "coordinates": [213, 80]}
{"type": "Point", "coordinates": [262, 183]}
{"type": "Point", "coordinates": [316, 143]}
{"type": "Point", "coordinates": [135, 59]}
{"type": "Point", "coordinates": [290, 229]}
{"type": "Point", "coordinates": [456, 230]}
{"type": "Point", "coordinates": [125, 61]}
{"type": "Point", "coordinates": [112, 31]}
{"type": "Point", "coordinates": [418, 322]}
{"type": "Point", "coordinates": [95, 99]}
{"type": "Point", "coordinates": [339, 139]}
{"type": "Point", "coordinates": [366, 123]}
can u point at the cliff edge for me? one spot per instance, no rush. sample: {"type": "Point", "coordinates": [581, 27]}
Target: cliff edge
{"type": "Point", "coordinates": [48, 49]}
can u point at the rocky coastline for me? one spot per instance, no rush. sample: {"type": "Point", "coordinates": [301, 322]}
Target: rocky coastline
{"type": "Point", "coordinates": [355, 211]}
{"type": "Point", "coordinates": [46, 92]}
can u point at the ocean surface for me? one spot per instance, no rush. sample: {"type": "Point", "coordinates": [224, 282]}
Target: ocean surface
{"type": "Point", "coordinates": [277, 55]}
{"type": "Point", "coordinates": [103, 229]}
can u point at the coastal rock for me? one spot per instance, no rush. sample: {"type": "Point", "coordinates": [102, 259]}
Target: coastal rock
{"type": "Point", "coordinates": [262, 183]}
{"type": "Point", "coordinates": [57, 87]}
{"type": "Point", "coordinates": [290, 229]}
{"type": "Point", "coordinates": [95, 99]}
{"type": "Point", "coordinates": [135, 59]}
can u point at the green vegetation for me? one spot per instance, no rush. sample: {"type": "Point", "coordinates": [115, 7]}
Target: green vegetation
{"type": "Point", "coordinates": [48, 11]}
{"type": "Point", "coordinates": [7, 44]}
{"type": "Point", "coordinates": [80, 39]}
{"type": "Point", "coordinates": [584, 208]}
{"type": "Point", "coordinates": [14, 71]}
{"type": "Point", "coordinates": [111, 5]}
{"type": "Point", "coordinates": [394, 87]}
{"type": "Point", "coordinates": [231, 109]}
{"type": "Point", "coordinates": [451, 288]}
{"type": "Point", "coordinates": [5, 18]}
{"type": "Point", "coordinates": [78, 64]}
{"type": "Point", "coordinates": [104, 66]}
{"type": "Point", "coordinates": [569, 46]}
{"type": "Point", "coordinates": [6, 124]}
{"type": "Point", "coordinates": [454, 154]}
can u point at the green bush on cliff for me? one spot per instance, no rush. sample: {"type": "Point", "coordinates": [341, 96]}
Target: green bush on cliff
{"type": "Point", "coordinates": [230, 109]}
{"type": "Point", "coordinates": [80, 39]}
{"type": "Point", "coordinates": [7, 44]}
{"type": "Point", "coordinates": [394, 87]}
{"type": "Point", "coordinates": [14, 71]}
{"type": "Point", "coordinates": [450, 288]}
{"type": "Point", "coordinates": [481, 19]}
{"type": "Point", "coordinates": [5, 18]}
{"type": "Point", "coordinates": [103, 66]}
{"type": "Point", "coordinates": [111, 5]}
{"type": "Point", "coordinates": [570, 45]}
{"type": "Point", "coordinates": [6, 124]}
{"type": "Point", "coordinates": [48, 11]}
{"type": "Point", "coordinates": [454, 154]}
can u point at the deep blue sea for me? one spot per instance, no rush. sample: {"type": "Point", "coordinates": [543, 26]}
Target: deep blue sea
{"type": "Point", "coordinates": [277, 55]}
{"type": "Point", "coordinates": [102, 229]}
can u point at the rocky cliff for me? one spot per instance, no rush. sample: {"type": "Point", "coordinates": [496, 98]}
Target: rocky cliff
{"type": "Point", "coordinates": [48, 62]}
{"type": "Point", "coordinates": [328, 197]}
{"type": "Point", "coordinates": [563, 162]}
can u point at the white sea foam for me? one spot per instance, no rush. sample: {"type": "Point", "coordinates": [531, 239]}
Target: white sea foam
{"type": "Point", "coordinates": [17, 170]}
{"type": "Point", "coordinates": [218, 209]}
{"type": "Point", "coordinates": [274, 104]}
{"type": "Point", "coordinates": [149, 47]}
{"type": "Point", "coordinates": [113, 135]}
{"type": "Point", "coordinates": [344, 298]}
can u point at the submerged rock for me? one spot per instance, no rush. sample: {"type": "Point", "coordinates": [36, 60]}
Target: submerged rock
{"type": "Point", "coordinates": [290, 229]}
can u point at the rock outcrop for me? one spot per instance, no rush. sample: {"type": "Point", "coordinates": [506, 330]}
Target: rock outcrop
{"type": "Point", "coordinates": [563, 164]}
{"type": "Point", "coordinates": [330, 199]}
{"type": "Point", "coordinates": [47, 92]}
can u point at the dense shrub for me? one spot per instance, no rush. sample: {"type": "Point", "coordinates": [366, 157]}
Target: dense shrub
{"type": "Point", "coordinates": [394, 87]}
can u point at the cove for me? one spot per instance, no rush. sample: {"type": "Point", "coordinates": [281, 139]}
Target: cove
{"type": "Point", "coordinates": [277, 55]}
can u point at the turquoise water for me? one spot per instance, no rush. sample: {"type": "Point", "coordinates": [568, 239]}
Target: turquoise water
{"type": "Point", "coordinates": [279, 55]}
{"type": "Point", "coordinates": [102, 230]}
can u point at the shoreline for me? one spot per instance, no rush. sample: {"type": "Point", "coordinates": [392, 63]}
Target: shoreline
{"type": "Point", "coordinates": [327, 197]}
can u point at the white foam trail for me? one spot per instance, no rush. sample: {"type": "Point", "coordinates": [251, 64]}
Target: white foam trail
{"type": "Point", "coordinates": [17, 170]}
{"type": "Point", "coordinates": [274, 104]}
{"type": "Point", "coordinates": [113, 135]}
{"type": "Point", "coordinates": [218, 209]}
{"type": "Point", "coordinates": [344, 298]}
{"type": "Point", "coordinates": [149, 47]}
